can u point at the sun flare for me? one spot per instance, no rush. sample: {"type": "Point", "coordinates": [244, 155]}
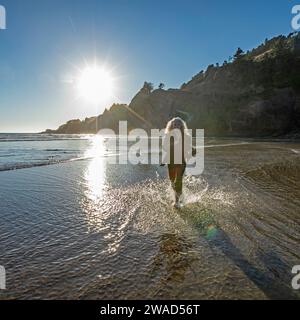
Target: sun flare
{"type": "Point", "coordinates": [95, 84]}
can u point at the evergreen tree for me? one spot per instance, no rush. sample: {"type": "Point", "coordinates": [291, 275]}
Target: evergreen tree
{"type": "Point", "coordinates": [239, 53]}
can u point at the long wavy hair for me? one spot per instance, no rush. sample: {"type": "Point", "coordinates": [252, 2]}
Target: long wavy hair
{"type": "Point", "coordinates": [176, 123]}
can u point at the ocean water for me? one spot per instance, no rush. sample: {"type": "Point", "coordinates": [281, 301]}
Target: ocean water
{"type": "Point", "coordinates": [74, 226]}
{"type": "Point", "coordinates": [19, 151]}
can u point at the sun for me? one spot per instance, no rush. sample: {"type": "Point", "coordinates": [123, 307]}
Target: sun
{"type": "Point", "coordinates": [95, 84]}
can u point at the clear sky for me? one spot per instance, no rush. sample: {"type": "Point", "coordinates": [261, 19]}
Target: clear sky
{"type": "Point", "coordinates": [46, 41]}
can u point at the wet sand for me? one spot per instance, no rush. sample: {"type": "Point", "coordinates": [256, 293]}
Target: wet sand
{"type": "Point", "coordinates": [91, 230]}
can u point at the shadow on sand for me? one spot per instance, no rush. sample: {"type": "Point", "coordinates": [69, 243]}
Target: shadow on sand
{"type": "Point", "coordinates": [275, 282]}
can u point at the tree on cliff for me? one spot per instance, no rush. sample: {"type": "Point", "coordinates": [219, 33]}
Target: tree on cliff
{"type": "Point", "coordinates": [161, 86]}
{"type": "Point", "coordinates": [148, 87]}
{"type": "Point", "coordinates": [239, 53]}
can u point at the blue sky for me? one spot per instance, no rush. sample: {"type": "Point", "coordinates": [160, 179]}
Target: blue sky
{"type": "Point", "coordinates": [158, 41]}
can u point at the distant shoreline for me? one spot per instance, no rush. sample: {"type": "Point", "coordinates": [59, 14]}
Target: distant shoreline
{"type": "Point", "coordinates": [284, 138]}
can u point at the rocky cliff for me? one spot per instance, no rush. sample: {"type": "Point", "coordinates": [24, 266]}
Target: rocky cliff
{"type": "Point", "coordinates": [253, 94]}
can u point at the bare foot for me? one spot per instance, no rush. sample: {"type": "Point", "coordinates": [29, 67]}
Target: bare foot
{"type": "Point", "coordinates": [177, 204]}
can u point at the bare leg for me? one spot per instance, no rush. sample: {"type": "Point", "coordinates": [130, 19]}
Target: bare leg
{"type": "Point", "coordinates": [176, 175]}
{"type": "Point", "coordinates": [172, 175]}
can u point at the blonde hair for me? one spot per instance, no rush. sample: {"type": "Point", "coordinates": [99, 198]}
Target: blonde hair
{"type": "Point", "coordinates": [176, 123]}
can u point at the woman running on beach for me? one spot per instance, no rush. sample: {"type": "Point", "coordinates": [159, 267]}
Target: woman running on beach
{"type": "Point", "coordinates": [176, 155]}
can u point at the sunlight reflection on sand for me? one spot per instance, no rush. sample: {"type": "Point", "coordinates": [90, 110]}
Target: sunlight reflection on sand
{"type": "Point", "coordinates": [95, 173]}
